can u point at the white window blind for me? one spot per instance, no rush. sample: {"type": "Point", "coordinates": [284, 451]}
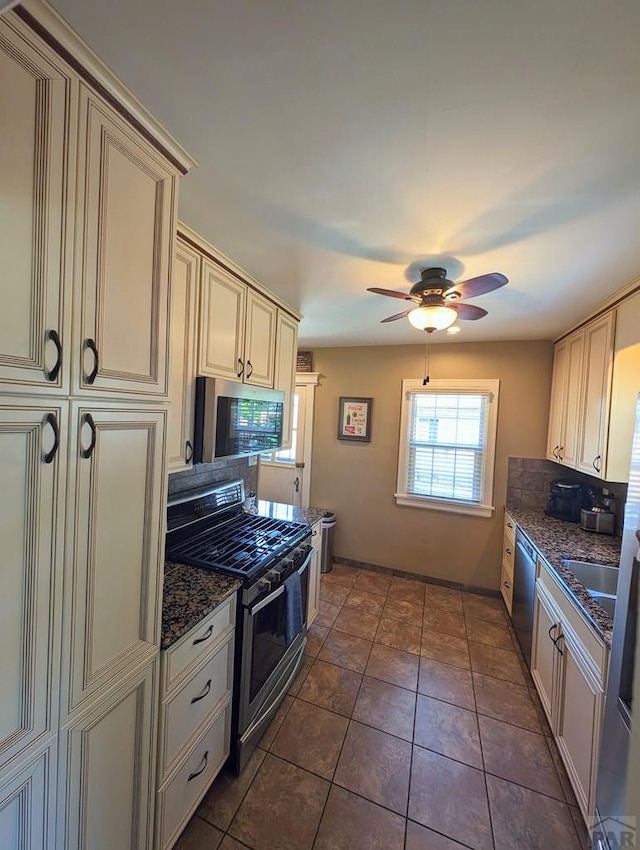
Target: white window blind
{"type": "Point", "coordinates": [447, 437]}
{"type": "Point", "coordinates": [447, 445]}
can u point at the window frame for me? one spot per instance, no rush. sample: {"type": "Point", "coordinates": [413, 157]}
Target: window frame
{"type": "Point", "coordinates": [412, 386]}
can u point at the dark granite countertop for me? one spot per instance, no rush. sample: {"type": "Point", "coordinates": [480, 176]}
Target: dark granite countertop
{"type": "Point", "coordinates": [189, 595]}
{"type": "Point", "coordinates": [279, 510]}
{"type": "Point", "coordinates": [556, 540]}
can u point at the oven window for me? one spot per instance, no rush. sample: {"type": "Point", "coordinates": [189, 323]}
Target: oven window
{"type": "Point", "coordinates": [269, 629]}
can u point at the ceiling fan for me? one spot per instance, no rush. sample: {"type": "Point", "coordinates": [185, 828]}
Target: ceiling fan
{"type": "Point", "coordinates": [435, 299]}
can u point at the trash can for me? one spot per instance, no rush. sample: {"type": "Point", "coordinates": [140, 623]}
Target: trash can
{"type": "Point", "coordinates": [328, 525]}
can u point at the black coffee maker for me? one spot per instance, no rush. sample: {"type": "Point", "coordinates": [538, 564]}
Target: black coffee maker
{"type": "Point", "coordinates": [566, 499]}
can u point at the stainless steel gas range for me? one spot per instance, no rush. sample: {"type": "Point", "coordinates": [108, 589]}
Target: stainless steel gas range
{"type": "Point", "coordinates": [208, 528]}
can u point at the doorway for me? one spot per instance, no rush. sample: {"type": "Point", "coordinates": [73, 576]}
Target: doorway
{"type": "Point", "coordinates": [285, 476]}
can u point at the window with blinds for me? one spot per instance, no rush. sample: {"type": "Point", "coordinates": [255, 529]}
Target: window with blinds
{"type": "Point", "coordinates": [447, 445]}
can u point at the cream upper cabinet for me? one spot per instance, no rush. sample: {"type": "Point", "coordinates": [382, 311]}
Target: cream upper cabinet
{"type": "Point", "coordinates": [237, 329]}
{"type": "Point", "coordinates": [562, 443]}
{"type": "Point", "coordinates": [37, 101]}
{"type": "Point", "coordinates": [115, 533]}
{"type": "Point", "coordinates": [260, 341]}
{"type": "Point", "coordinates": [107, 766]}
{"type": "Point", "coordinates": [184, 337]}
{"type": "Point", "coordinates": [624, 390]}
{"type": "Point", "coordinates": [32, 494]}
{"type": "Point", "coordinates": [125, 235]}
{"type": "Point", "coordinates": [594, 418]}
{"type": "Point", "coordinates": [222, 318]}
{"type": "Point", "coordinates": [285, 374]}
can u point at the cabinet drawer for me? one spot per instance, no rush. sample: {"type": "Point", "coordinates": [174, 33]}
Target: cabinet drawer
{"type": "Point", "coordinates": [508, 553]}
{"type": "Point", "coordinates": [509, 528]}
{"type": "Point", "coordinates": [179, 798]}
{"type": "Point", "coordinates": [506, 587]}
{"type": "Point", "coordinates": [195, 702]}
{"type": "Point", "coordinates": [594, 650]}
{"type": "Point", "coordinates": [316, 535]}
{"type": "Point", "coordinates": [184, 656]}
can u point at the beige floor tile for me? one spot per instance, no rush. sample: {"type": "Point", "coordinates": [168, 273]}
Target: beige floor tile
{"type": "Point", "coordinates": [407, 590]}
{"type": "Point", "coordinates": [484, 608]}
{"type": "Point", "coordinates": [421, 838]}
{"type": "Point", "coordinates": [492, 634]}
{"type": "Point", "coordinates": [446, 682]}
{"type": "Point", "coordinates": [505, 701]}
{"type": "Point", "coordinates": [356, 623]}
{"type": "Point", "coordinates": [407, 612]}
{"type": "Point", "coordinates": [446, 648]}
{"type": "Point", "coordinates": [445, 622]}
{"type": "Point", "coordinates": [451, 798]}
{"type": "Point", "coordinates": [311, 737]}
{"type": "Point", "coordinates": [316, 636]}
{"type": "Point", "coordinates": [351, 823]}
{"type": "Point", "coordinates": [376, 766]}
{"type": "Point", "coordinates": [394, 666]}
{"type": "Point", "coordinates": [335, 594]}
{"type": "Point", "coordinates": [282, 808]}
{"type": "Point", "coordinates": [399, 635]}
{"type": "Point", "coordinates": [222, 800]}
{"type": "Point", "coordinates": [386, 707]}
{"type": "Point", "coordinates": [373, 582]}
{"type": "Point", "coordinates": [327, 613]}
{"type": "Point", "coordinates": [369, 603]}
{"type": "Point", "coordinates": [331, 687]}
{"type": "Point", "coordinates": [338, 579]}
{"type": "Point", "coordinates": [346, 651]}
{"type": "Point", "coordinates": [449, 730]}
{"type": "Point", "coordinates": [199, 835]}
{"type": "Point", "coordinates": [446, 598]}
{"type": "Point", "coordinates": [492, 661]}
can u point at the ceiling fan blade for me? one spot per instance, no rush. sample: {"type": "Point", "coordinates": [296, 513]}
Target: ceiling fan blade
{"type": "Point", "coordinates": [391, 293]}
{"type": "Point", "coordinates": [468, 312]}
{"type": "Point", "coordinates": [478, 285]}
{"type": "Point", "coordinates": [397, 316]}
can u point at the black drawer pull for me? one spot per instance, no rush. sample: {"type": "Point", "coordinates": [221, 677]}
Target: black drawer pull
{"type": "Point", "coordinates": [205, 637]}
{"type": "Point", "coordinates": [506, 584]}
{"type": "Point", "coordinates": [595, 465]}
{"type": "Point", "coordinates": [508, 551]}
{"type": "Point", "coordinates": [51, 419]}
{"type": "Point", "coordinates": [202, 769]}
{"type": "Point", "coordinates": [188, 452]}
{"type": "Point", "coordinates": [88, 419]}
{"type": "Point", "coordinates": [93, 348]}
{"type": "Point", "coordinates": [554, 626]}
{"type": "Point", "coordinates": [241, 372]}
{"type": "Point", "coordinates": [250, 365]}
{"type": "Point", "coordinates": [52, 375]}
{"type": "Point", "coordinates": [205, 693]}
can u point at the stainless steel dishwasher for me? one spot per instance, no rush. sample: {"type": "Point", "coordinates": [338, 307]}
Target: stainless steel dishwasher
{"type": "Point", "coordinates": [524, 582]}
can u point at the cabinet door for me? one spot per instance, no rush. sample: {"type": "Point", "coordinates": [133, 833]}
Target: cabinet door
{"type": "Point", "coordinates": [115, 532]}
{"type": "Point", "coordinates": [594, 418]}
{"type": "Point", "coordinates": [581, 703]}
{"type": "Point", "coordinates": [222, 314]}
{"type": "Point", "coordinates": [260, 341]}
{"type": "Point", "coordinates": [568, 451]}
{"type": "Point", "coordinates": [558, 395]}
{"type": "Point", "coordinates": [184, 335]}
{"type": "Point", "coordinates": [107, 758]}
{"type": "Point", "coordinates": [31, 531]}
{"type": "Point", "coordinates": [544, 655]}
{"type": "Point", "coordinates": [124, 245]}
{"type": "Point", "coordinates": [285, 375]}
{"type": "Point", "coordinates": [36, 99]}
{"type": "Point", "coordinates": [27, 804]}
{"type": "Point", "coordinates": [314, 573]}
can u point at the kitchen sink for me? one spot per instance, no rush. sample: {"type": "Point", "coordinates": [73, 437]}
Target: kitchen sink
{"type": "Point", "coordinates": [600, 582]}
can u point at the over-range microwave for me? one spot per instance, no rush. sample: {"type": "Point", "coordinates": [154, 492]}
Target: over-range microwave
{"type": "Point", "coordinates": [235, 420]}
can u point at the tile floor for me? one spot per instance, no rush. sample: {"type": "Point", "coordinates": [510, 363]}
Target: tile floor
{"type": "Point", "coordinates": [413, 725]}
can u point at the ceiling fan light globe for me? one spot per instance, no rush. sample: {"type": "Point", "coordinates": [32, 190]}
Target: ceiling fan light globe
{"type": "Point", "coordinates": [433, 318]}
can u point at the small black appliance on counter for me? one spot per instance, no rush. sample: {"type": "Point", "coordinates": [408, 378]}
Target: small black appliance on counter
{"type": "Point", "coordinates": [565, 501]}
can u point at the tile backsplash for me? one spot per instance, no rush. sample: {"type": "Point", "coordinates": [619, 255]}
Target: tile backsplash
{"type": "Point", "coordinates": [214, 473]}
{"type": "Point", "coordinates": [529, 479]}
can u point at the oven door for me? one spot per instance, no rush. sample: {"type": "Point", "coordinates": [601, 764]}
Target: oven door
{"type": "Point", "coordinates": [265, 653]}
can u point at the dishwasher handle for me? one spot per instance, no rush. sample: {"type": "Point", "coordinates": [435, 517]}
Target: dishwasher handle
{"type": "Point", "coordinates": [522, 541]}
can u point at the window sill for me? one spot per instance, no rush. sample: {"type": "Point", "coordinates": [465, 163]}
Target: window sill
{"type": "Point", "coordinates": [468, 508]}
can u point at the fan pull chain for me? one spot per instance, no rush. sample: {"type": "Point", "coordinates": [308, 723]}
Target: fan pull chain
{"type": "Point", "coordinates": [427, 356]}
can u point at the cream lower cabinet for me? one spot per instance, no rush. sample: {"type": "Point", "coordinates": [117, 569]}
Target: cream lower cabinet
{"type": "Point", "coordinates": [114, 533]}
{"type": "Point", "coordinates": [27, 802]}
{"type": "Point", "coordinates": [508, 556]}
{"type": "Point", "coordinates": [184, 351]}
{"type": "Point", "coordinates": [313, 601]}
{"type": "Point", "coordinates": [569, 667]}
{"type": "Point", "coordinates": [195, 719]}
{"type": "Point", "coordinates": [32, 492]}
{"type": "Point", "coordinates": [106, 767]}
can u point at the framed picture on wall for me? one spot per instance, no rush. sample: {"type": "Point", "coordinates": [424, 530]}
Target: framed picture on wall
{"type": "Point", "coordinates": [354, 419]}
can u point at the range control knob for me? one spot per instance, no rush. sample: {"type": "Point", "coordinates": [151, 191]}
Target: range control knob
{"type": "Point", "coordinates": [273, 577]}
{"type": "Point", "coordinates": [264, 585]}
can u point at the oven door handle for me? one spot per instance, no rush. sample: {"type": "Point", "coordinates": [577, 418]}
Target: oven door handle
{"type": "Point", "coordinates": [264, 602]}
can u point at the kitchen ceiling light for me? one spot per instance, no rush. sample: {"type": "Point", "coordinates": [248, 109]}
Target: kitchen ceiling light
{"type": "Point", "coordinates": [433, 318]}
{"type": "Point", "coordinates": [454, 329]}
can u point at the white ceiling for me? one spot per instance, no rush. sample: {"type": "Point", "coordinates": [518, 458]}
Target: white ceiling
{"type": "Point", "coordinates": [348, 143]}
